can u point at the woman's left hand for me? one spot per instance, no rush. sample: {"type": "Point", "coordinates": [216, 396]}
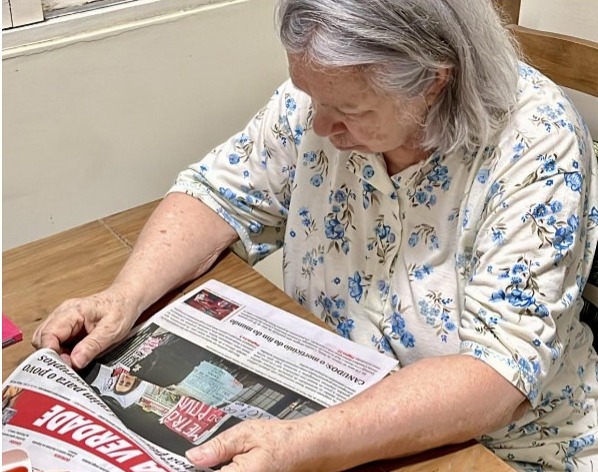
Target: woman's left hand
{"type": "Point", "coordinates": [259, 445]}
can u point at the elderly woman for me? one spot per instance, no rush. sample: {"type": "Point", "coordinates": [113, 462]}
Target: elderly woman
{"type": "Point", "coordinates": [436, 201]}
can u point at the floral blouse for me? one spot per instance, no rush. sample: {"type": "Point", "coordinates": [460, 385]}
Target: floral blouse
{"type": "Point", "coordinates": [480, 253]}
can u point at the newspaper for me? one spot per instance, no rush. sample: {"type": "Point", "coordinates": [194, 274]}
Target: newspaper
{"type": "Point", "coordinates": [207, 361]}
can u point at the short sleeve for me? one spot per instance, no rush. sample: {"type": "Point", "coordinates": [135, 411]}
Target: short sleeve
{"type": "Point", "coordinates": [248, 179]}
{"type": "Point", "coordinates": [534, 245]}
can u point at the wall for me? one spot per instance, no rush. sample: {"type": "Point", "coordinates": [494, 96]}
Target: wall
{"type": "Point", "coordinates": [103, 121]}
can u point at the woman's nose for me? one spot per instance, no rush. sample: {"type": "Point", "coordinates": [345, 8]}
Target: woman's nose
{"type": "Point", "coordinates": [326, 122]}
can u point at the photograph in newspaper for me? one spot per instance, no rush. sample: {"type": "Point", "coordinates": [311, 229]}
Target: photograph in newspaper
{"type": "Point", "coordinates": [211, 304]}
{"type": "Point", "coordinates": [177, 394]}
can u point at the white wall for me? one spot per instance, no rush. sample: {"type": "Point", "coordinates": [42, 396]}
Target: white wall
{"type": "Point", "coordinates": [103, 121]}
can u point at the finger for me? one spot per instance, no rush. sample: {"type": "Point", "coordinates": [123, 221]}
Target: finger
{"type": "Point", "coordinates": [100, 338]}
{"type": "Point", "coordinates": [53, 334]}
{"type": "Point", "coordinates": [67, 359]}
{"type": "Point", "coordinates": [221, 449]}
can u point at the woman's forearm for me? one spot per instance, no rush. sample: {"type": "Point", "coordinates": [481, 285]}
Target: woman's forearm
{"type": "Point", "coordinates": [180, 241]}
{"type": "Point", "coordinates": [433, 402]}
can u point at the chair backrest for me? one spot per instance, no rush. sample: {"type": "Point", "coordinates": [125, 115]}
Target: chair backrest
{"type": "Point", "coordinates": [573, 63]}
{"type": "Point", "coordinates": [569, 61]}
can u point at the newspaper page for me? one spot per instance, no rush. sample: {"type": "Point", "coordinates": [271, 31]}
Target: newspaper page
{"type": "Point", "coordinates": [51, 413]}
{"type": "Point", "coordinates": [212, 358]}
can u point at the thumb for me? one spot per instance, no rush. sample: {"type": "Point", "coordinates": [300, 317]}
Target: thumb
{"type": "Point", "coordinates": [91, 346]}
{"type": "Point", "coordinates": [216, 451]}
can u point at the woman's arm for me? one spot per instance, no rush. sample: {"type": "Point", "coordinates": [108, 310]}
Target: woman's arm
{"type": "Point", "coordinates": [430, 403]}
{"type": "Point", "coordinates": [180, 241]}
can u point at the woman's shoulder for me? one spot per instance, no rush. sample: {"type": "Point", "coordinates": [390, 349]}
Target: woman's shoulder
{"type": "Point", "coordinates": [545, 122]}
{"type": "Point", "coordinates": [543, 107]}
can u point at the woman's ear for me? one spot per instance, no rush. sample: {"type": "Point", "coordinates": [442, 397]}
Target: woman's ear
{"type": "Point", "coordinates": [442, 77]}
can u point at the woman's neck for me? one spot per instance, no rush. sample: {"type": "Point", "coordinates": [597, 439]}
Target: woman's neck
{"type": "Point", "coordinates": [403, 157]}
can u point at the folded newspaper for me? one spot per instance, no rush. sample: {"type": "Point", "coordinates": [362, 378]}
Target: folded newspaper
{"type": "Point", "coordinates": [212, 358]}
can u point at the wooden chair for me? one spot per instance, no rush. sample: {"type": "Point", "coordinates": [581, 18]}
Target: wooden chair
{"type": "Point", "coordinates": [573, 63]}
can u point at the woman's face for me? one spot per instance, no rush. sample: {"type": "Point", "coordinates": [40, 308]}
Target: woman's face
{"type": "Point", "coordinates": [124, 383]}
{"type": "Point", "coordinates": [354, 116]}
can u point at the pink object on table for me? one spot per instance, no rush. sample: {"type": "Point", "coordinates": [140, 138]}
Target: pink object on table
{"type": "Point", "coordinates": [11, 333]}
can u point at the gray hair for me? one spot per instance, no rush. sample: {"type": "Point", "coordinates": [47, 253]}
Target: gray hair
{"type": "Point", "coordinates": [401, 45]}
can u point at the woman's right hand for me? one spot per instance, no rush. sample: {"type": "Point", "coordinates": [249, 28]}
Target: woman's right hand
{"type": "Point", "coordinates": [92, 324]}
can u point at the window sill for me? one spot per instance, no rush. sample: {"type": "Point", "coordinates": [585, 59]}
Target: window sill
{"type": "Point", "coordinates": [97, 23]}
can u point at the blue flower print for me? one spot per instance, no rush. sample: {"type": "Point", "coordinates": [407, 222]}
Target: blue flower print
{"type": "Point", "coordinates": [339, 218]}
{"type": "Point", "coordinates": [311, 260]}
{"type": "Point", "coordinates": [540, 211]}
{"type": "Point", "coordinates": [317, 161]}
{"type": "Point", "coordinates": [339, 196]}
{"type": "Point", "coordinates": [573, 448]}
{"type": "Point", "coordinates": [437, 310]}
{"type": "Point", "coordinates": [549, 165]}
{"type": "Point", "coordinates": [574, 180]}
{"type": "Point", "coordinates": [368, 194]}
{"type": "Point", "coordinates": [556, 206]}
{"type": "Point", "coordinates": [383, 288]}
{"type": "Point", "coordinates": [381, 344]}
{"type": "Point", "coordinates": [483, 175]}
{"type": "Point", "coordinates": [547, 224]}
{"type": "Point", "coordinates": [520, 298]}
{"type": "Point", "coordinates": [307, 221]}
{"type": "Point", "coordinates": [356, 288]}
{"type": "Point", "coordinates": [234, 159]}
{"type": "Point", "coordinates": [255, 227]}
{"type": "Point", "coordinates": [426, 181]}
{"type": "Point", "coordinates": [421, 197]}
{"type": "Point", "coordinates": [334, 229]}
{"type": "Point", "coordinates": [424, 233]}
{"type": "Point", "coordinates": [550, 118]}
{"type": "Point", "coordinates": [282, 131]}
{"type": "Point", "coordinates": [368, 172]}
{"type": "Point", "coordinates": [521, 289]}
{"type": "Point", "coordinates": [345, 327]}
{"type": "Point", "coordinates": [563, 238]}
{"type": "Point", "coordinates": [290, 104]}
{"type": "Point", "coordinates": [309, 157]}
{"type": "Point", "coordinates": [227, 193]}
{"type": "Point", "coordinates": [419, 272]}
{"type": "Point", "coordinates": [498, 234]}
{"type": "Point", "coordinates": [316, 180]}
{"type": "Point", "coordinates": [518, 150]}
{"type": "Point", "coordinates": [333, 313]}
{"type": "Point", "coordinates": [413, 239]}
{"type": "Point", "coordinates": [263, 250]}
{"type": "Point", "coordinates": [578, 444]}
{"type": "Point", "coordinates": [383, 241]}
{"type": "Point", "coordinates": [298, 133]}
{"type": "Point", "coordinates": [398, 326]}
{"type": "Point", "coordinates": [527, 375]}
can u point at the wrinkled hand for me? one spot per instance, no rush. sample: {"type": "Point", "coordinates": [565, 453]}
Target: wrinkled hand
{"type": "Point", "coordinates": [102, 319]}
{"type": "Point", "coordinates": [258, 446]}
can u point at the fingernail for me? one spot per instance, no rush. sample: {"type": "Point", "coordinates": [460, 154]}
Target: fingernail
{"type": "Point", "coordinates": [77, 360]}
{"type": "Point", "coordinates": [194, 455]}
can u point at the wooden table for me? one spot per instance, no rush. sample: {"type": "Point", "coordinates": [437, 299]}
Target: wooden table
{"type": "Point", "coordinates": [38, 276]}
